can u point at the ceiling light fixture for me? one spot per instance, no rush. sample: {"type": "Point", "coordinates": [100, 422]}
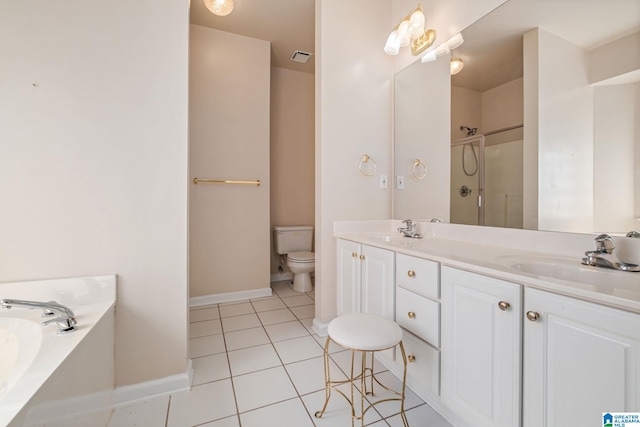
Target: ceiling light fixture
{"type": "Point", "coordinates": [456, 65]}
{"type": "Point", "coordinates": [410, 31]}
{"type": "Point", "coordinates": [219, 7]}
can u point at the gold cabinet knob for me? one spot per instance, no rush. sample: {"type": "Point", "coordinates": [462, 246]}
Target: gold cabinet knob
{"type": "Point", "coordinates": [411, 273]}
{"type": "Point", "coordinates": [504, 306]}
{"type": "Point", "coordinates": [411, 358]}
{"type": "Point", "coordinates": [411, 314]}
{"type": "Point", "coordinates": [362, 257]}
{"type": "Point", "coordinates": [533, 316]}
{"type": "Point", "coordinates": [354, 254]}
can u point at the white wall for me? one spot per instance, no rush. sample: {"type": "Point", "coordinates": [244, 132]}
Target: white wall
{"type": "Point", "coordinates": [565, 135]}
{"type": "Point", "coordinates": [292, 150]}
{"type": "Point", "coordinates": [502, 106]}
{"type": "Point", "coordinates": [93, 162]}
{"type": "Point", "coordinates": [229, 87]}
{"type": "Point", "coordinates": [466, 110]}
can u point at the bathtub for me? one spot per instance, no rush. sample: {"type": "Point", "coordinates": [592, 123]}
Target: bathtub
{"type": "Point", "coordinates": [52, 379]}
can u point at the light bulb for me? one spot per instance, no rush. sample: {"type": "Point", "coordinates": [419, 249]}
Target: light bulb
{"type": "Point", "coordinates": [429, 56]}
{"type": "Point", "coordinates": [393, 43]}
{"type": "Point", "coordinates": [443, 49]}
{"type": "Point", "coordinates": [403, 32]}
{"type": "Point", "coordinates": [455, 41]}
{"type": "Point", "coordinates": [219, 7]}
{"type": "Point", "coordinates": [456, 65]}
{"type": "Point", "coordinates": [416, 24]}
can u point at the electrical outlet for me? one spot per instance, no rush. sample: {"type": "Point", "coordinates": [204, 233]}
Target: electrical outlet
{"type": "Point", "coordinates": [399, 182]}
{"type": "Point", "coordinates": [383, 181]}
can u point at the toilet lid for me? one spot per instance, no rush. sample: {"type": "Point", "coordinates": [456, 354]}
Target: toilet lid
{"type": "Point", "coordinates": [302, 256]}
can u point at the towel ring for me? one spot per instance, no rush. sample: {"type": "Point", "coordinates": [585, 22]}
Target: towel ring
{"type": "Point", "coordinates": [367, 166]}
{"type": "Point", "coordinates": [419, 169]}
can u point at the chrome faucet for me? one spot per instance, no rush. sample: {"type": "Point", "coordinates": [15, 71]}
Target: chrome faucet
{"type": "Point", "coordinates": [410, 230]}
{"type": "Point", "coordinates": [605, 246]}
{"type": "Point", "coordinates": [61, 315]}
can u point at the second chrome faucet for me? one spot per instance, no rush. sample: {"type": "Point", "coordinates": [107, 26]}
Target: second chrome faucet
{"type": "Point", "coordinates": [409, 230]}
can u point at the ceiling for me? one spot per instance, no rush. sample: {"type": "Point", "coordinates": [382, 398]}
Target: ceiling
{"type": "Point", "coordinates": [288, 24]}
{"type": "Point", "coordinates": [492, 49]}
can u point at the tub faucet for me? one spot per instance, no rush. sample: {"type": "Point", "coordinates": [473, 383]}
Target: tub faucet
{"type": "Point", "coordinates": [410, 230]}
{"type": "Point", "coordinates": [61, 315]}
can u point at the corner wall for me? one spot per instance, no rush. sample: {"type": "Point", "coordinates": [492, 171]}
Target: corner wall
{"type": "Point", "coordinates": [93, 162]}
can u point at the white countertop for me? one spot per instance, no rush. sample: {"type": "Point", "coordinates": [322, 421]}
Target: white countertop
{"type": "Point", "coordinates": [498, 253]}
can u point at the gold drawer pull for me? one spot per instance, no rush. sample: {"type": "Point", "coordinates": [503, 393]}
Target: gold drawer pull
{"type": "Point", "coordinates": [411, 358]}
{"type": "Point", "coordinates": [362, 257]}
{"type": "Point", "coordinates": [411, 273]}
{"type": "Point", "coordinates": [533, 316]}
{"type": "Point", "coordinates": [411, 314]}
{"type": "Point", "coordinates": [354, 254]}
{"type": "Point", "coordinates": [504, 306]}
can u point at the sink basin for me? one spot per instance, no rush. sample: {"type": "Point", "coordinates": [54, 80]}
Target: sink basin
{"type": "Point", "coordinates": [563, 269]}
{"type": "Point", "coordinates": [391, 238]}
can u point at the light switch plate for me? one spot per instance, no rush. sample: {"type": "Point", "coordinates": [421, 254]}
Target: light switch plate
{"type": "Point", "coordinates": [399, 182]}
{"type": "Point", "coordinates": [383, 181]}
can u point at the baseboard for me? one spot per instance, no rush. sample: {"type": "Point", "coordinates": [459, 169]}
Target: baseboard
{"type": "Point", "coordinates": [229, 297]}
{"type": "Point", "coordinates": [320, 328]}
{"type": "Point", "coordinates": [128, 394]}
{"type": "Point", "coordinates": [280, 277]}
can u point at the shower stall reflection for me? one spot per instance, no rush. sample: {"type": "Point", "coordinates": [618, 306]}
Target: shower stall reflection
{"type": "Point", "coordinates": [486, 178]}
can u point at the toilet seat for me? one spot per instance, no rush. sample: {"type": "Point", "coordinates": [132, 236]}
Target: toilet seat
{"type": "Point", "coordinates": [302, 257]}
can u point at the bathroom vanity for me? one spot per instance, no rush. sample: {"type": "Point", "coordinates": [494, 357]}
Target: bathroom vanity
{"type": "Point", "coordinates": [502, 327]}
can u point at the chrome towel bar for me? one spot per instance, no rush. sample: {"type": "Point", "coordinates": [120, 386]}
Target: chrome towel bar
{"type": "Point", "coordinates": [225, 181]}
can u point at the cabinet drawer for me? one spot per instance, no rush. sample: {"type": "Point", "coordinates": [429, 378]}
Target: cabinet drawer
{"type": "Point", "coordinates": [423, 373]}
{"type": "Point", "coordinates": [419, 275]}
{"type": "Point", "coordinates": [419, 315]}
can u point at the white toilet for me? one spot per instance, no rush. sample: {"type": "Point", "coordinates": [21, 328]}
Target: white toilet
{"type": "Point", "coordinates": [296, 242]}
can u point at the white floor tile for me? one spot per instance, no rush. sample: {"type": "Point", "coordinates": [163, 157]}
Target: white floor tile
{"type": "Point", "coordinates": [286, 331]}
{"type": "Point", "coordinates": [203, 346]}
{"type": "Point", "coordinates": [225, 422]}
{"type": "Point", "coordinates": [207, 327]}
{"type": "Point", "coordinates": [304, 311]}
{"type": "Point", "coordinates": [246, 338]}
{"type": "Point", "coordinates": [288, 413]}
{"type": "Point", "coordinates": [421, 416]}
{"type": "Point", "coordinates": [308, 375]}
{"type": "Point", "coordinates": [253, 359]}
{"type": "Point", "coordinates": [236, 323]}
{"type": "Point", "coordinates": [333, 347]}
{"type": "Point", "coordinates": [388, 409]}
{"type": "Point", "coordinates": [297, 349]}
{"type": "Point", "coordinates": [338, 412]}
{"type": "Point", "coordinates": [262, 388]}
{"type": "Point", "coordinates": [200, 314]}
{"type": "Point", "coordinates": [149, 413]}
{"type": "Point", "coordinates": [276, 316]}
{"type": "Point", "coordinates": [204, 403]}
{"type": "Point", "coordinates": [210, 368]}
{"type": "Point", "coordinates": [296, 301]}
{"type": "Point", "coordinates": [268, 304]}
{"type": "Point", "coordinates": [283, 289]}
{"type": "Point", "coordinates": [308, 324]}
{"type": "Point", "coordinates": [236, 309]}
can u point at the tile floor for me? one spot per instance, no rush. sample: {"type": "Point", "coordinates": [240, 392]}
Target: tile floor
{"type": "Point", "coordinates": [258, 363]}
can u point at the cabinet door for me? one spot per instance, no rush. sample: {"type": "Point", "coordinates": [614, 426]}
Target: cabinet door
{"type": "Point", "coordinates": [481, 348]}
{"type": "Point", "coordinates": [580, 360]}
{"type": "Point", "coordinates": [348, 277]}
{"type": "Point", "coordinates": [378, 281]}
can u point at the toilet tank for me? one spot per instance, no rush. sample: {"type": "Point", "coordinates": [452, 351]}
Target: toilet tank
{"type": "Point", "coordinates": [292, 239]}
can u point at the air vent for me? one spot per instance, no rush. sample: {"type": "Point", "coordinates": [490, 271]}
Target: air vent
{"type": "Point", "coordinates": [300, 56]}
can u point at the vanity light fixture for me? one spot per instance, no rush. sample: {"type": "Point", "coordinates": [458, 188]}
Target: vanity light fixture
{"type": "Point", "coordinates": [443, 49]}
{"type": "Point", "coordinates": [456, 65]}
{"type": "Point", "coordinates": [410, 31]}
{"type": "Point", "coordinates": [219, 7]}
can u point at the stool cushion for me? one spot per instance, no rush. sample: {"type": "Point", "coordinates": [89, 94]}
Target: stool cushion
{"type": "Point", "coordinates": [366, 332]}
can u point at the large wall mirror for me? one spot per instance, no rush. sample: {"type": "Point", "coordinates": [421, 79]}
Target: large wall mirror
{"type": "Point", "coordinates": [542, 129]}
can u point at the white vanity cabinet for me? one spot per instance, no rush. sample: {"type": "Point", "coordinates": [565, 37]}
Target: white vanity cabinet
{"type": "Point", "coordinates": [365, 279]}
{"type": "Point", "coordinates": [418, 313]}
{"type": "Point", "coordinates": [481, 342]}
{"type": "Point", "coordinates": [580, 359]}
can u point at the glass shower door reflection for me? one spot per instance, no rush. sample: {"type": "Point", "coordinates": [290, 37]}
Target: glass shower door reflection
{"type": "Point", "coordinates": [467, 181]}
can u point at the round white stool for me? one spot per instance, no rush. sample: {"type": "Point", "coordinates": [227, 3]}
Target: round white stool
{"type": "Point", "coordinates": [365, 333]}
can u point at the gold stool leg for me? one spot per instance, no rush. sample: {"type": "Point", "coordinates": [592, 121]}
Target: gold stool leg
{"type": "Point", "coordinates": [404, 383]}
{"type": "Point", "coordinates": [327, 379]}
